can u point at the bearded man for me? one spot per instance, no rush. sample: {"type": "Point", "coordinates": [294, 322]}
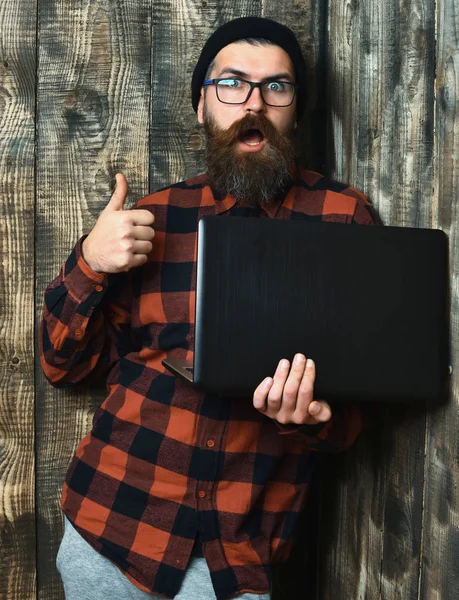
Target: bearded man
{"type": "Point", "coordinates": [174, 492]}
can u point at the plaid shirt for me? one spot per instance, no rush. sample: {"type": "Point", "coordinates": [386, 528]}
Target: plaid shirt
{"type": "Point", "coordinates": [165, 464]}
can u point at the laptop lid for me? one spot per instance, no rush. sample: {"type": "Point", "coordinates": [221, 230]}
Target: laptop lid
{"type": "Point", "coordinates": [367, 304]}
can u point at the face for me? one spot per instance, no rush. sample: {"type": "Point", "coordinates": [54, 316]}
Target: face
{"type": "Point", "coordinates": [254, 63]}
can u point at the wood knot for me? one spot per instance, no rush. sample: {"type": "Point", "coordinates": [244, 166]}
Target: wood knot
{"type": "Point", "coordinates": [86, 111]}
{"type": "Point", "coordinates": [70, 100]}
{"type": "Point", "coordinates": [195, 140]}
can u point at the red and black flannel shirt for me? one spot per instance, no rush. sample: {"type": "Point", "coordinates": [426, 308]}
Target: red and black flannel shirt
{"type": "Point", "coordinates": [165, 464]}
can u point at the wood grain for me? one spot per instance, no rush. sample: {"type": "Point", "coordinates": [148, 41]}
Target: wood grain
{"type": "Point", "coordinates": [180, 30]}
{"type": "Point", "coordinates": [380, 90]}
{"type": "Point", "coordinates": [93, 121]}
{"type": "Point", "coordinates": [440, 544]}
{"type": "Point", "coordinates": [17, 436]}
{"type": "Point", "coordinates": [380, 82]}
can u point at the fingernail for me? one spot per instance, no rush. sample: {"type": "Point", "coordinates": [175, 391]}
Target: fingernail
{"type": "Point", "coordinates": [267, 381]}
{"type": "Point", "coordinates": [284, 363]}
{"type": "Point", "coordinates": [299, 358]}
{"type": "Point", "coordinates": [309, 363]}
{"type": "Point", "coordinates": [314, 408]}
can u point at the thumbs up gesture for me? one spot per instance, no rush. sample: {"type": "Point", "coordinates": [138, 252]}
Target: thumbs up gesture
{"type": "Point", "coordinates": [121, 239]}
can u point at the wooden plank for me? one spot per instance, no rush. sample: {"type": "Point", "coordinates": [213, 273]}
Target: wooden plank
{"type": "Point", "coordinates": [380, 78]}
{"type": "Point", "coordinates": [380, 81]}
{"type": "Point", "coordinates": [351, 520]}
{"type": "Point", "coordinates": [93, 118]}
{"type": "Point", "coordinates": [307, 19]}
{"type": "Point", "coordinates": [17, 461]}
{"type": "Point", "coordinates": [180, 31]}
{"type": "Point", "coordinates": [440, 549]}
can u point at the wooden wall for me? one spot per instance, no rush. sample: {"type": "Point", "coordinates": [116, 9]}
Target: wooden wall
{"type": "Point", "coordinates": [92, 87]}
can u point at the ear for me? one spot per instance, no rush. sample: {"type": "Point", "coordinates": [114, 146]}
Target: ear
{"type": "Point", "coordinates": [201, 107]}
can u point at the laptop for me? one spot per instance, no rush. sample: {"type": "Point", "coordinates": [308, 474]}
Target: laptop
{"type": "Point", "coordinates": [368, 304]}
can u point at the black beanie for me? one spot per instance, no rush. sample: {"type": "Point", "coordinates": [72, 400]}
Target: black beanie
{"type": "Point", "coordinates": [251, 27]}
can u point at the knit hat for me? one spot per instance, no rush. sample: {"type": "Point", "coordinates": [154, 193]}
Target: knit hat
{"type": "Point", "coordinates": [251, 27]}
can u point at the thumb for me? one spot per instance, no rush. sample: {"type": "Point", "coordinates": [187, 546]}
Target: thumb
{"type": "Point", "coordinates": [119, 195]}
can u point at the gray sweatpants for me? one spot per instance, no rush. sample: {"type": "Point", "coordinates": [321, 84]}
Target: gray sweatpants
{"type": "Point", "coordinates": [87, 575]}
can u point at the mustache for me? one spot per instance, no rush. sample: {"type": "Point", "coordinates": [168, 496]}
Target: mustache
{"type": "Point", "coordinates": [238, 129]}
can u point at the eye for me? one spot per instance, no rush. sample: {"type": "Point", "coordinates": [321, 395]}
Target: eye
{"type": "Point", "coordinates": [276, 86]}
{"type": "Point", "coordinates": [232, 83]}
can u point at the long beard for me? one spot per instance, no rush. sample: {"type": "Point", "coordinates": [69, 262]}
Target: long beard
{"type": "Point", "coordinates": [254, 178]}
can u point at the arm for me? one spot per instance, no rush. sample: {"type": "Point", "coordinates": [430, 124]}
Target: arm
{"type": "Point", "coordinates": [346, 423]}
{"type": "Point", "coordinates": [85, 324]}
{"type": "Point", "coordinates": [86, 317]}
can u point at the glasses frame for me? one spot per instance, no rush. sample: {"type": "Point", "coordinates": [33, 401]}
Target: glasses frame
{"type": "Point", "coordinates": [253, 84]}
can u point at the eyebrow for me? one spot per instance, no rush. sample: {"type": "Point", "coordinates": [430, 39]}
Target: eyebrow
{"type": "Point", "coordinates": [238, 73]}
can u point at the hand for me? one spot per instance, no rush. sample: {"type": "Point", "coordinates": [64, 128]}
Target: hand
{"type": "Point", "coordinates": [288, 397]}
{"type": "Point", "coordinates": [121, 239]}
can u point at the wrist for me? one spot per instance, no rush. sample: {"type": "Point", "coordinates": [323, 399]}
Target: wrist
{"type": "Point", "coordinates": [88, 258]}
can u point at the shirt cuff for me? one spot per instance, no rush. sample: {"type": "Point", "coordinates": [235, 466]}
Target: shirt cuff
{"type": "Point", "coordinates": [79, 279]}
{"type": "Point", "coordinates": [308, 430]}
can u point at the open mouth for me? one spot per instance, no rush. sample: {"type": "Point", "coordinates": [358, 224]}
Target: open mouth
{"type": "Point", "coordinates": [252, 137]}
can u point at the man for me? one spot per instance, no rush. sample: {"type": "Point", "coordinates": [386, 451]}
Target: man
{"type": "Point", "coordinates": [175, 493]}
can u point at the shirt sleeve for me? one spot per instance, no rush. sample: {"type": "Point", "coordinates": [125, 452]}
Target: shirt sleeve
{"type": "Point", "coordinates": [339, 433]}
{"type": "Point", "coordinates": [84, 328]}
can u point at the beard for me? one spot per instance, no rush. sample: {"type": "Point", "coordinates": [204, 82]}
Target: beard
{"type": "Point", "coordinates": [253, 178]}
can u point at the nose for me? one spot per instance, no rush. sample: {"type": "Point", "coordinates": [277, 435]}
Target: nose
{"type": "Point", "coordinates": [255, 102]}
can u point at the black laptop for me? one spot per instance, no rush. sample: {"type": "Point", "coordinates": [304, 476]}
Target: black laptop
{"type": "Point", "coordinates": [368, 304]}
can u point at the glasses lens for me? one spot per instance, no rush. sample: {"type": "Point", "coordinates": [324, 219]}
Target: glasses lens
{"type": "Point", "coordinates": [278, 93]}
{"type": "Point", "coordinates": [232, 91]}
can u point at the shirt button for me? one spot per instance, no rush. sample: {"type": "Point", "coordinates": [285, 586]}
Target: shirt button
{"type": "Point", "coordinates": [202, 494]}
{"type": "Point", "coordinates": [78, 333]}
{"type": "Point", "coordinates": [98, 287]}
{"type": "Point", "coordinates": [210, 443]}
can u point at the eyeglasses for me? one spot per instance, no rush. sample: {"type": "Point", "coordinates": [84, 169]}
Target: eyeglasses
{"type": "Point", "coordinates": [237, 91]}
